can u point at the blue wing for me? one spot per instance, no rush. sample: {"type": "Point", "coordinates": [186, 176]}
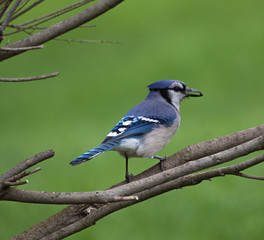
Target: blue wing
{"type": "Point", "coordinates": [133, 126]}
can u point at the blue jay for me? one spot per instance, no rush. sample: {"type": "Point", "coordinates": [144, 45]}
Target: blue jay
{"type": "Point", "coordinates": [148, 127]}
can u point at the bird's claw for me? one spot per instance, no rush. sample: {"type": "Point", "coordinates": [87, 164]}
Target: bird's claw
{"type": "Point", "coordinates": [129, 178]}
{"type": "Point", "coordinates": [161, 161]}
{"type": "Point", "coordinates": [161, 165]}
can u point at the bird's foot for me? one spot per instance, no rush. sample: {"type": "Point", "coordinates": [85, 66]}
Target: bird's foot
{"type": "Point", "coordinates": [129, 177]}
{"type": "Point", "coordinates": [161, 161]}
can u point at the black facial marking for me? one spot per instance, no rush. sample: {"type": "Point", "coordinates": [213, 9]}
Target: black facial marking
{"type": "Point", "coordinates": [165, 94]}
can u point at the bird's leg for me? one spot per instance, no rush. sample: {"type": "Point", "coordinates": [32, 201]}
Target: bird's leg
{"type": "Point", "coordinates": [161, 161]}
{"type": "Point", "coordinates": [128, 176]}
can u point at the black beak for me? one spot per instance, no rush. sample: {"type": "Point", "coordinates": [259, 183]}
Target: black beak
{"type": "Point", "coordinates": [189, 92]}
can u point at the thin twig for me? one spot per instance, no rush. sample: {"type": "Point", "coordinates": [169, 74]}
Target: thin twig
{"type": "Point", "coordinates": [21, 6]}
{"type": "Point", "coordinates": [56, 13]}
{"type": "Point", "coordinates": [33, 27]}
{"type": "Point", "coordinates": [23, 29]}
{"type": "Point", "coordinates": [87, 26]}
{"type": "Point", "coordinates": [41, 28]}
{"type": "Point", "coordinates": [26, 79]}
{"type": "Point", "coordinates": [9, 184]}
{"type": "Point", "coordinates": [19, 29]}
{"type": "Point", "coordinates": [27, 9]}
{"type": "Point", "coordinates": [10, 14]}
{"type": "Point", "coordinates": [249, 176]}
{"type": "Point", "coordinates": [86, 41]}
{"type": "Point", "coordinates": [22, 174]}
{"type": "Point", "coordinates": [22, 48]}
{"type": "Point", "coordinates": [8, 2]}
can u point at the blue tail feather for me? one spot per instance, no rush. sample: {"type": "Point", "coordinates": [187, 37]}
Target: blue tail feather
{"type": "Point", "coordinates": [95, 151]}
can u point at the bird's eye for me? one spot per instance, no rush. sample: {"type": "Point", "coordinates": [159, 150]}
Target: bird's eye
{"type": "Point", "coordinates": [177, 89]}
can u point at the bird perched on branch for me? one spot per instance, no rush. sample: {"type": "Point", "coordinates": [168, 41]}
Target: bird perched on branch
{"type": "Point", "coordinates": [148, 127]}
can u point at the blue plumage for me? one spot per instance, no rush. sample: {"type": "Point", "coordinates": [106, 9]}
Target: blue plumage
{"type": "Point", "coordinates": [95, 151]}
{"type": "Point", "coordinates": [147, 127]}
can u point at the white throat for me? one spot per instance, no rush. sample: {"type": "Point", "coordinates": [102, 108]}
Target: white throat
{"type": "Point", "coordinates": [176, 98]}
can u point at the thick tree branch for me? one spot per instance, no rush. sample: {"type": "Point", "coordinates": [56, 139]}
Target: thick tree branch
{"type": "Point", "coordinates": [140, 185]}
{"type": "Point", "coordinates": [64, 197]}
{"type": "Point", "coordinates": [204, 149]}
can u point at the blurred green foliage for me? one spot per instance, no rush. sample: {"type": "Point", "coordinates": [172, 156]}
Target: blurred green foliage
{"type": "Point", "coordinates": [214, 46]}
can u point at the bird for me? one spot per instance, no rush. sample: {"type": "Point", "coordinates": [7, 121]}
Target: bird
{"type": "Point", "coordinates": [148, 127]}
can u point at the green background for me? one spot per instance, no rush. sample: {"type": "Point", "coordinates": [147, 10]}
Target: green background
{"type": "Point", "coordinates": [214, 46]}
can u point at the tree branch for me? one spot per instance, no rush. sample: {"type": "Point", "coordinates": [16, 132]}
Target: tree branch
{"type": "Point", "coordinates": [140, 185]}
{"type": "Point", "coordinates": [22, 48]}
{"type": "Point", "coordinates": [27, 79]}
{"type": "Point", "coordinates": [249, 176]}
{"type": "Point", "coordinates": [204, 149]}
{"type": "Point", "coordinates": [64, 197]}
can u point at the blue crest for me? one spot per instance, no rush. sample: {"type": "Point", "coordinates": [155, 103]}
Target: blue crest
{"type": "Point", "coordinates": [162, 84]}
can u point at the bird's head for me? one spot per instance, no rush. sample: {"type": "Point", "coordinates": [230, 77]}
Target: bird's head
{"type": "Point", "coordinates": [173, 91]}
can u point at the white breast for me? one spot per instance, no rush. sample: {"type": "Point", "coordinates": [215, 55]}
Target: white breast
{"type": "Point", "coordinates": [156, 140]}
